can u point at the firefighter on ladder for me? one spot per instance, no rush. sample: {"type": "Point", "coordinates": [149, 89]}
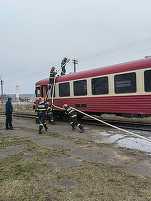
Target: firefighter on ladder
{"type": "Point", "coordinates": [52, 74]}
{"type": "Point", "coordinates": [41, 110]}
{"type": "Point", "coordinates": [72, 114]}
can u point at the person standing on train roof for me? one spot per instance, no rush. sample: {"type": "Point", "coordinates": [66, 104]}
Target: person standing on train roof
{"type": "Point", "coordinates": [8, 113]}
{"type": "Point", "coordinates": [63, 66]}
{"type": "Point", "coordinates": [42, 114]}
{"type": "Point", "coordinates": [72, 114]}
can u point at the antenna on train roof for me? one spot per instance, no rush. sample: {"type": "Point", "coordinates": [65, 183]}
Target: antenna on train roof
{"type": "Point", "coordinates": [75, 62]}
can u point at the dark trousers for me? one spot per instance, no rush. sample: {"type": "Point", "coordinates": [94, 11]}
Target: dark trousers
{"type": "Point", "coordinates": [9, 121]}
{"type": "Point", "coordinates": [74, 123]}
{"type": "Point", "coordinates": [50, 117]}
{"type": "Point", "coordinates": [42, 121]}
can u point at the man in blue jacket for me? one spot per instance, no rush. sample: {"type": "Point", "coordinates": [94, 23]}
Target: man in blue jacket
{"type": "Point", "coordinates": [8, 113]}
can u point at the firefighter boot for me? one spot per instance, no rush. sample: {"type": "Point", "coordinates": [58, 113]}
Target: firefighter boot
{"type": "Point", "coordinates": [52, 121]}
{"type": "Point", "coordinates": [46, 128]}
{"type": "Point", "coordinates": [73, 126]}
{"type": "Point", "coordinates": [40, 129]}
{"type": "Point", "coordinates": [81, 128]}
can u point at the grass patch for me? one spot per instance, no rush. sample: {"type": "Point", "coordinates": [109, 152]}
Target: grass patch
{"type": "Point", "coordinates": [104, 182]}
{"type": "Point", "coordinates": [23, 179]}
{"type": "Point", "coordinates": [57, 151]}
{"type": "Point", "coordinates": [16, 167]}
{"type": "Point", "coordinates": [37, 150]}
{"type": "Point", "coordinates": [54, 134]}
{"type": "Point", "coordinates": [8, 141]}
{"type": "Point", "coordinates": [41, 151]}
{"type": "Point", "coordinates": [33, 180]}
{"type": "Point", "coordinates": [81, 141]}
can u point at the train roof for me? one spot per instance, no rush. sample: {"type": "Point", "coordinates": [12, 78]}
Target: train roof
{"type": "Point", "coordinates": [117, 68]}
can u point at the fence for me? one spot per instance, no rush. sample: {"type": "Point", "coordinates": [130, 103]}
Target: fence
{"type": "Point", "coordinates": [19, 107]}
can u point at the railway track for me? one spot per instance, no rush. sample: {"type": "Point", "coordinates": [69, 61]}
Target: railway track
{"type": "Point", "coordinates": [88, 121]}
{"type": "Point", "coordinates": [24, 115]}
{"type": "Point", "coordinates": [121, 124]}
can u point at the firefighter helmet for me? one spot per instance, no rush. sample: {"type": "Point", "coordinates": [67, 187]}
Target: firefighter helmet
{"type": "Point", "coordinates": [52, 68]}
{"type": "Point", "coordinates": [65, 106]}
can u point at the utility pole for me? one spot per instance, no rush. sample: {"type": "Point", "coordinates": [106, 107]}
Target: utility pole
{"type": "Point", "coordinates": [2, 91]}
{"type": "Point", "coordinates": [17, 92]}
{"type": "Point", "coordinates": [75, 62]}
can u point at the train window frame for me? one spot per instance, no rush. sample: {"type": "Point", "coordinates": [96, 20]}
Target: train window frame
{"type": "Point", "coordinates": [82, 85]}
{"type": "Point", "coordinates": [131, 77]}
{"type": "Point", "coordinates": [51, 90]}
{"type": "Point", "coordinates": [38, 92]}
{"type": "Point", "coordinates": [41, 91]}
{"type": "Point", "coordinates": [96, 90]}
{"type": "Point", "coordinates": [147, 81]}
{"type": "Point", "coordinates": [44, 90]}
{"type": "Point", "coordinates": [66, 85]}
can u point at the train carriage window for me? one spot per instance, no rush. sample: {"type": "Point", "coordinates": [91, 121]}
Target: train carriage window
{"type": "Point", "coordinates": [125, 83]}
{"type": "Point", "coordinates": [147, 80]}
{"type": "Point", "coordinates": [80, 88]}
{"type": "Point", "coordinates": [99, 85]}
{"type": "Point", "coordinates": [64, 89]}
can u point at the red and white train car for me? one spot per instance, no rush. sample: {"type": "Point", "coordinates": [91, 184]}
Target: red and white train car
{"type": "Point", "coordinates": [123, 89]}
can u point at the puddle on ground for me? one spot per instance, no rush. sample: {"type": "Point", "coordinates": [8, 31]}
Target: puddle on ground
{"type": "Point", "coordinates": [106, 134]}
{"type": "Point", "coordinates": [122, 140]}
{"type": "Point", "coordinates": [135, 143]}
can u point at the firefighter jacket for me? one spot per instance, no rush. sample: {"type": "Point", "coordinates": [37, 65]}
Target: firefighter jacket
{"type": "Point", "coordinates": [71, 113]}
{"type": "Point", "coordinates": [50, 109]}
{"type": "Point", "coordinates": [52, 74]}
{"type": "Point", "coordinates": [42, 107]}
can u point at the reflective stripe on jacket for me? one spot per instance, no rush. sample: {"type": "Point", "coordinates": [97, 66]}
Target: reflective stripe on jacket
{"type": "Point", "coordinates": [42, 107]}
{"type": "Point", "coordinates": [71, 112]}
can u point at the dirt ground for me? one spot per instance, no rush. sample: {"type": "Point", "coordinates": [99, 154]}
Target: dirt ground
{"type": "Point", "coordinates": [65, 165]}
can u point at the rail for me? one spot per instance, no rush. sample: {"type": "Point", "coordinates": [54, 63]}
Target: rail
{"type": "Point", "coordinates": [88, 121]}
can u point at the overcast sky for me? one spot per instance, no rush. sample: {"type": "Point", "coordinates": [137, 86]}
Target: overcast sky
{"type": "Point", "coordinates": [36, 33]}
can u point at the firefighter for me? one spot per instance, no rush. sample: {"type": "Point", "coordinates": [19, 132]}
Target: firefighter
{"type": "Point", "coordinates": [72, 114]}
{"type": "Point", "coordinates": [63, 66]}
{"type": "Point", "coordinates": [35, 105]}
{"type": "Point", "coordinates": [8, 113]}
{"type": "Point", "coordinates": [52, 74]}
{"type": "Point", "coordinates": [50, 114]}
{"type": "Point", "coordinates": [42, 114]}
